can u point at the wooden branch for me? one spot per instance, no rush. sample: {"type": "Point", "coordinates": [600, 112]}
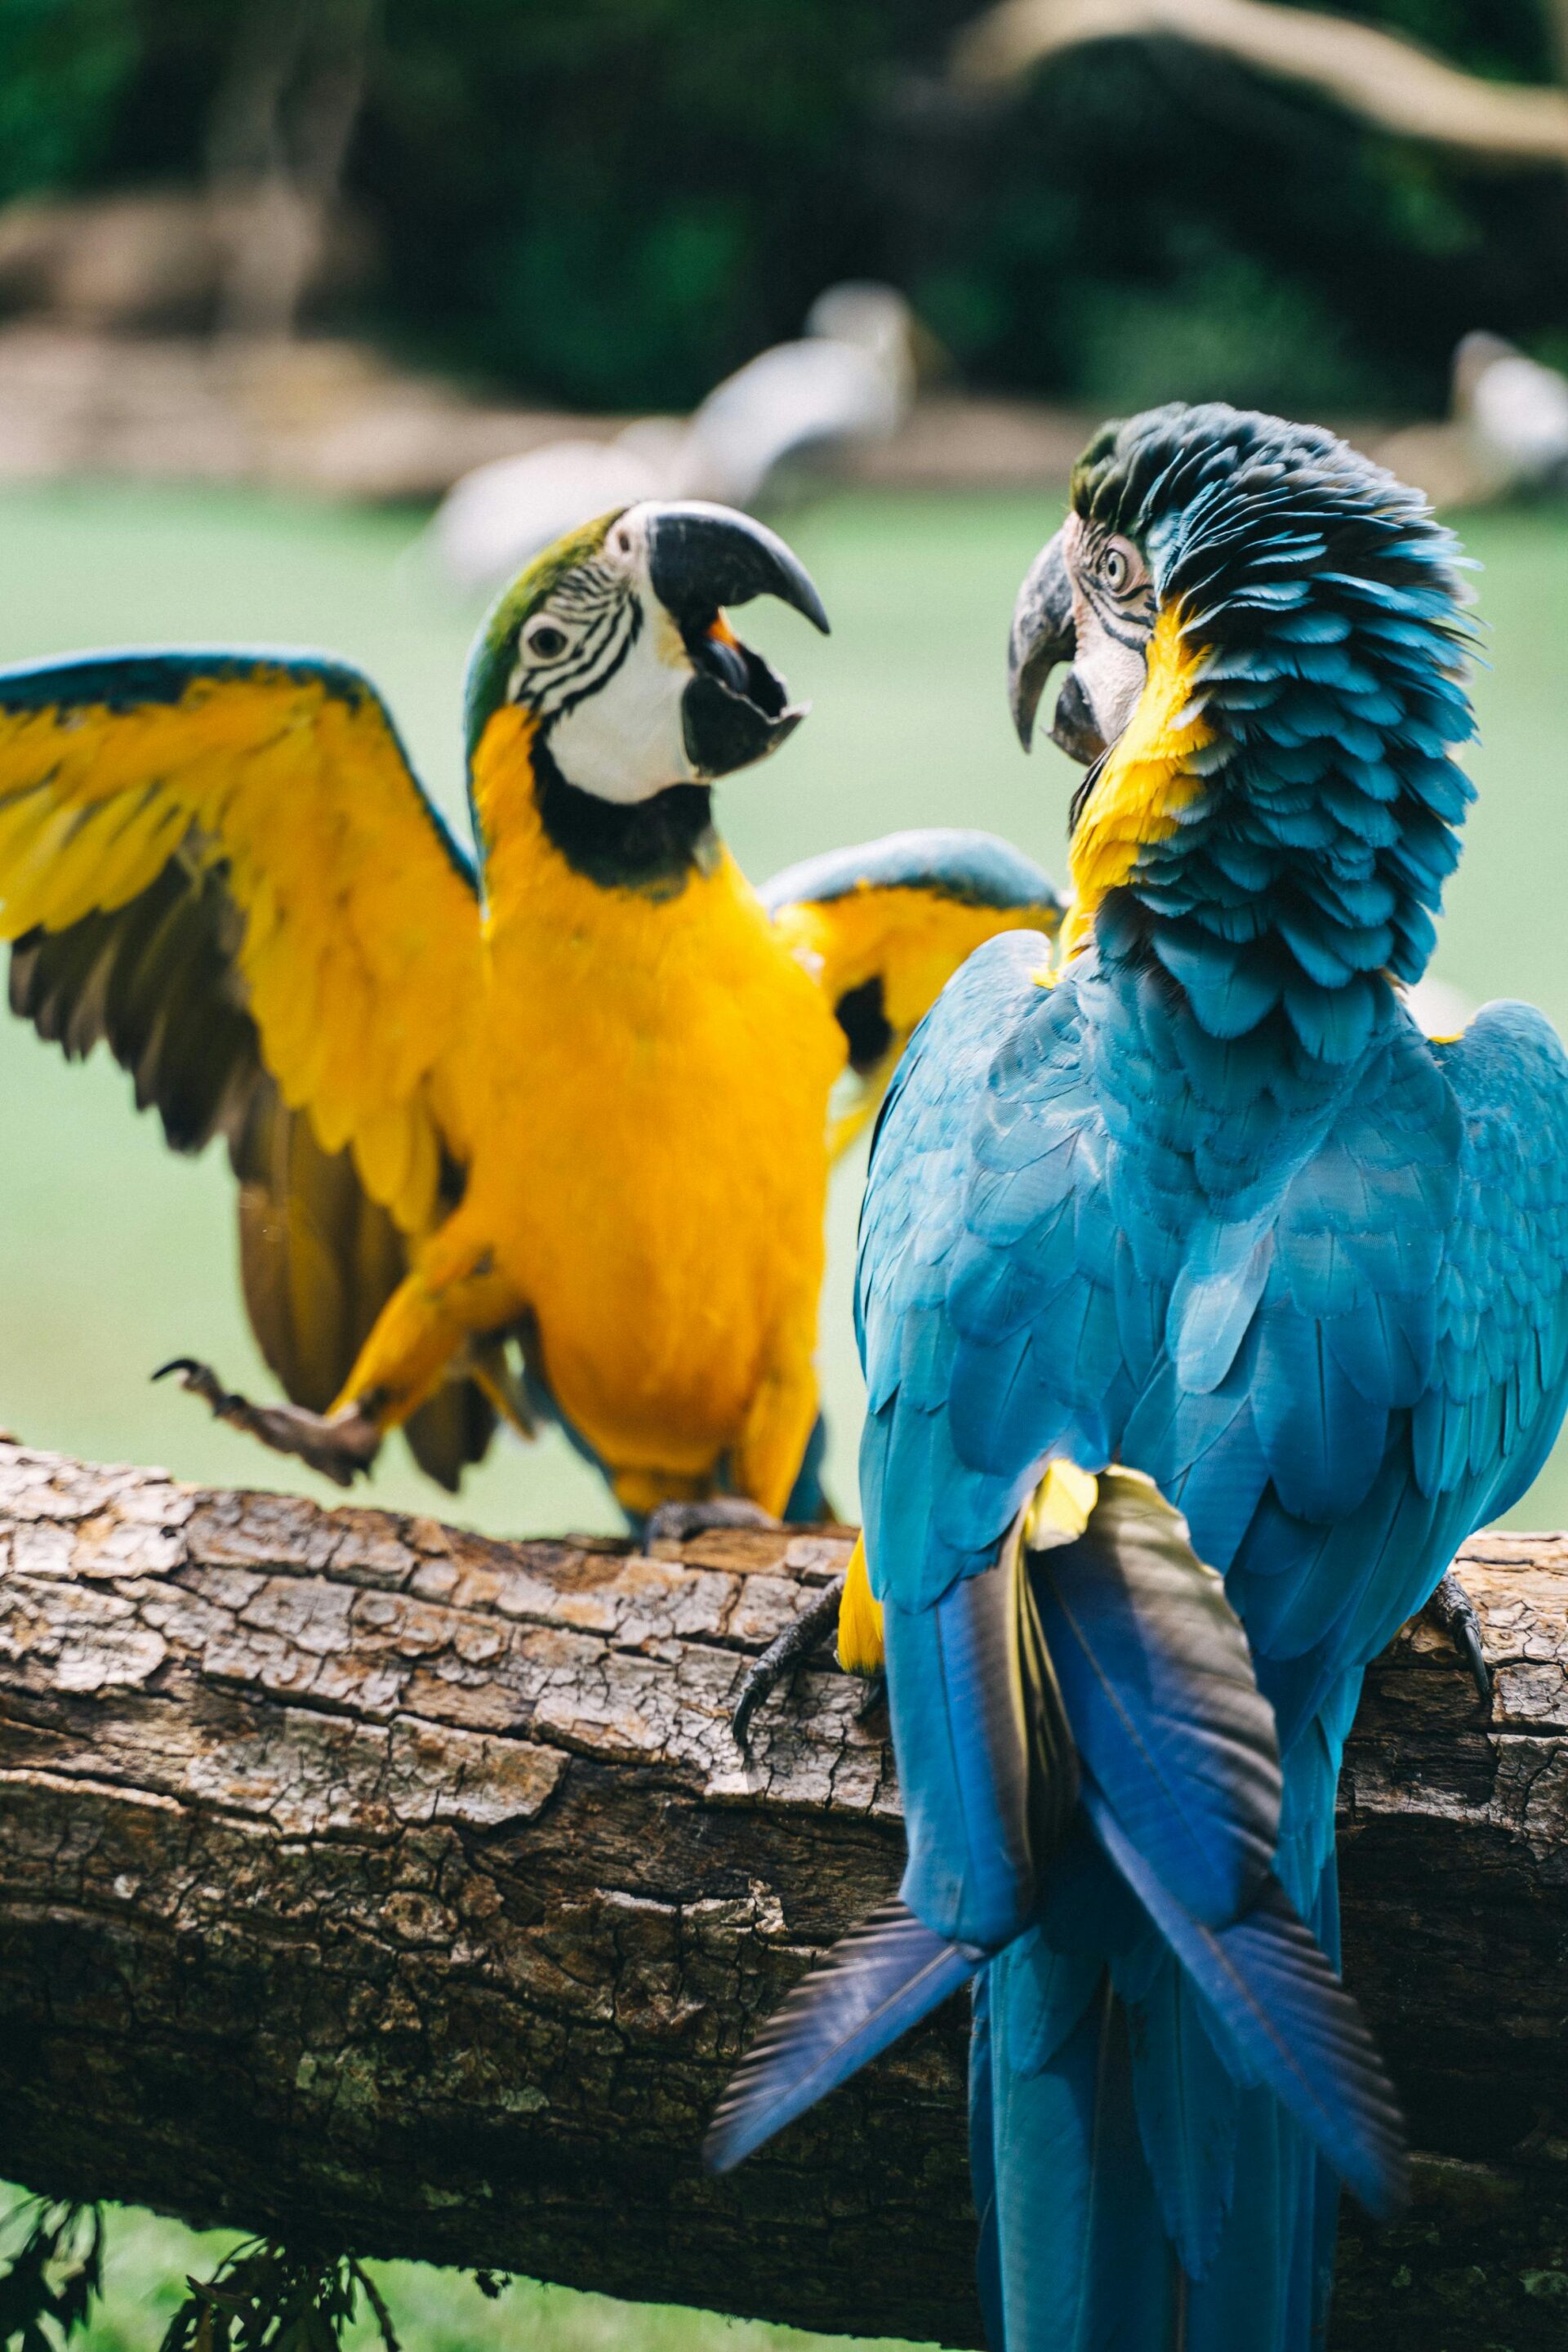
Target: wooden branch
{"type": "Point", "coordinates": [1390, 81]}
{"type": "Point", "coordinates": [375, 1882]}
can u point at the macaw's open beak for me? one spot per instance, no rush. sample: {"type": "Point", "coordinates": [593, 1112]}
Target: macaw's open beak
{"type": "Point", "coordinates": [701, 558]}
{"type": "Point", "coordinates": [1043, 636]}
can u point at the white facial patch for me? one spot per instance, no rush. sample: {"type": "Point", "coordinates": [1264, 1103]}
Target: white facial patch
{"type": "Point", "coordinates": [626, 741]}
{"type": "Point", "coordinates": [1110, 670]}
{"type": "Point", "coordinates": [1111, 675]}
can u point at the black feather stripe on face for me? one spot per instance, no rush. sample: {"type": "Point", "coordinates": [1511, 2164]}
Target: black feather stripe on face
{"type": "Point", "coordinates": [597, 603]}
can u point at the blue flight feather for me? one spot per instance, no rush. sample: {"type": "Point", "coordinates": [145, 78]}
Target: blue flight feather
{"type": "Point", "coordinates": [1288, 2018]}
{"type": "Point", "coordinates": [1157, 1682]}
{"type": "Point", "coordinates": [977, 869]}
{"type": "Point", "coordinates": [874, 1984]}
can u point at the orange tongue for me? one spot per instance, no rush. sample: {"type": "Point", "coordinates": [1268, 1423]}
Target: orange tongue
{"type": "Point", "coordinates": [719, 628]}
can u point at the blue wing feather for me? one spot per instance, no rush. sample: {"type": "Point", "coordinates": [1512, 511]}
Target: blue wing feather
{"type": "Point", "coordinates": [1323, 1307]}
{"type": "Point", "coordinates": [978, 869]}
{"type": "Point", "coordinates": [876, 1984]}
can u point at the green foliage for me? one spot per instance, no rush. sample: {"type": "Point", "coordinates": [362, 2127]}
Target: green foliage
{"type": "Point", "coordinates": [1224, 328]}
{"type": "Point", "coordinates": [613, 202]}
{"type": "Point", "coordinates": [265, 2298]}
{"type": "Point", "coordinates": [1134, 203]}
{"type": "Point", "coordinates": [63, 67]}
{"type": "Point", "coordinates": [50, 2283]}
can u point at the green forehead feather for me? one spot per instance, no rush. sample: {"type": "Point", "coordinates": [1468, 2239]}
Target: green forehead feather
{"type": "Point", "coordinates": [494, 648]}
{"type": "Point", "coordinates": [1093, 466]}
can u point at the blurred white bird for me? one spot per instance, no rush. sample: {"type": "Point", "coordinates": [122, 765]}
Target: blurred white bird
{"type": "Point", "coordinates": [1514, 412]}
{"type": "Point", "coordinates": [850, 379]}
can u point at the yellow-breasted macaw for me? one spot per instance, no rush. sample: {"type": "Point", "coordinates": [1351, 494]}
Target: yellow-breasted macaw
{"type": "Point", "coordinates": [548, 1130]}
{"type": "Point", "coordinates": [1198, 1222]}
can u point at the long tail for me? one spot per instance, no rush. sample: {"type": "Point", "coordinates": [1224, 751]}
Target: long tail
{"type": "Point", "coordinates": [1168, 2073]}
{"type": "Point", "coordinates": [1082, 2256]}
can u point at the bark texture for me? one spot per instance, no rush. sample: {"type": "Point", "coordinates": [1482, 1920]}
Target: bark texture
{"type": "Point", "coordinates": [364, 1880]}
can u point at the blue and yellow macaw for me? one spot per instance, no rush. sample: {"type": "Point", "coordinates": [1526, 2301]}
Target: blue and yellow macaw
{"type": "Point", "coordinates": [1192, 1220]}
{"type": "Point", "coordinates": [545, 1132]}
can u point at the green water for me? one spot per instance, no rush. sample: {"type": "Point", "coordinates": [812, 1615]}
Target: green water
{"type": "Point", "coordinates": [114, 1255]}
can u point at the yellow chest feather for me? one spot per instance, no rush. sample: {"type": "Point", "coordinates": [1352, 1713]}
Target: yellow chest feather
{"type": "Point", "coordinates": [650, 1141]}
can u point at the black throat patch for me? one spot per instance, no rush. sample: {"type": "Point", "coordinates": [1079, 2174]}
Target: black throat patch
{"type": "Point", "coordinates": [653, 846]}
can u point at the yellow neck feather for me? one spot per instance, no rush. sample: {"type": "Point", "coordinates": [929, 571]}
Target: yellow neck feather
{"type": "Point", "coordinates": [504, 803]}
{"type": "Point", "coordinates": [1144, 783]}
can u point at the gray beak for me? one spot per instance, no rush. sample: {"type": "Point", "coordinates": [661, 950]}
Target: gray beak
{"type": "Point", "coordinates": [1042, 634]}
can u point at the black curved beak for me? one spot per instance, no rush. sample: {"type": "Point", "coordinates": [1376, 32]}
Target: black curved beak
{"type": "Point", "coordinates": [1042, 637]}
{"type": "Point", "coordinates": [701, 556]}
{"type": "Point", "coordinates": [736, 710]}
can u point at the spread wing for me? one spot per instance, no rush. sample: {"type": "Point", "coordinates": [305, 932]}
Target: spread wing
{"type": "Point", "coordinates": [1335, 1394]}
{"type": "Point", "coordinates": [886, 925]}
{"type": "Point", "coordinates": [223, 865]}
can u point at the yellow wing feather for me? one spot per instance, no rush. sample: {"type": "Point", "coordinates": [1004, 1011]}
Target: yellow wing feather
{"type": "Point", "coordinates": [356, 936]}
{"type": "Point", "coordinates": [882, 954]}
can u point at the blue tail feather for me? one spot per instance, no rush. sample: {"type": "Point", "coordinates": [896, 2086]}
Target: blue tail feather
{"type": "Point", "coordinates": [1084, 2260]}
{"type": "Point", "coordinates": [1288, 2020]}
{"type": "Point", "coordinates": [982, 2165]}
{"type": "Point", "coordinates": [1188, 2102]}
{"type": "Point", "coordinates": [878, 1982]}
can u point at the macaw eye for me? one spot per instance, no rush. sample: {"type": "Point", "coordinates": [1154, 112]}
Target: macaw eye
{"type": "Point", "coordinates": [545, 640]}
{"type": "Point", "coordinates": [1122, 568]}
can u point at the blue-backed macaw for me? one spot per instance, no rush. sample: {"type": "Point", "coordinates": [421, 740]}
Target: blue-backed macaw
{"type": "Point", "coordinates": [571, 1101]}
{"type": "Point", "coordinates": [1196, 1214]}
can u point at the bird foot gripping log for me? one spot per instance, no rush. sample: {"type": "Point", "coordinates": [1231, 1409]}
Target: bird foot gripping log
{"type": "Point", "coordinates": [365, 1878]}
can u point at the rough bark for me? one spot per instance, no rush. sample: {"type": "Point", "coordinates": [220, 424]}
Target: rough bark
{"type": "Point", "coordinates": [364, 1880]}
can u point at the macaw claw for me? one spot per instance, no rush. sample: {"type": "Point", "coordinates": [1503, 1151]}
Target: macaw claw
{"type": "Point", "coordinates": [781, 1657]}
{"type": "Point", "coordinates": [339, 1447]}
{"type": "Point", "coordinates": [1452, 1608]}
{"type": "Point", "coordinates": [674, 1522]}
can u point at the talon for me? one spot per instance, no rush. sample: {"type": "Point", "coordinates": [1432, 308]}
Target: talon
{"type": "Point", "coordinates": [201, 1381]}
{"type": "Point", "coordinates": [875, 1692]}
{"type": "Point", "coordinates": [782, 1656]}
{"type": "Point", "coordinates": [341, 1447]}
{"type": "Point", "coordinates": [677, 1522]}
{"type": "Point", "coordinates": [1452, 1608]}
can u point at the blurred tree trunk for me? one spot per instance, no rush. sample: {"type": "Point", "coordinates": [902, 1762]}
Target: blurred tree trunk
{"type": "Point", "coordinates": [1389, 81]}
{"type": "Point", "coordinates": [395, 1890]}
{"type": "Point", "coordinates": [277, 148]}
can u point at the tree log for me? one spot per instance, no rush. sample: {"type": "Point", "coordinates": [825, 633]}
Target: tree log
{"type": "Point", "coordinates": [371, 1882]}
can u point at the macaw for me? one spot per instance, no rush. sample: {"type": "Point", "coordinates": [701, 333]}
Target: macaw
{"type": "Point", "coordinates": [568, 1102]}
{"type": "Point", "coordinates": [1191, 1219]}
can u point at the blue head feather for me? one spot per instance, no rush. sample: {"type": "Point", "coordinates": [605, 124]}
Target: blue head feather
{"type": "Point", "coordinates": [1323, 605]}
